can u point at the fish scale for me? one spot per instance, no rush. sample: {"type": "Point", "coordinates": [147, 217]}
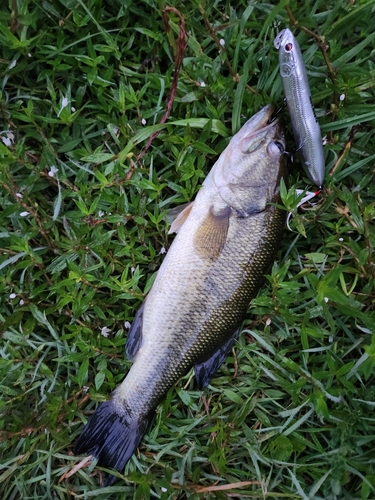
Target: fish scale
{"type": "Point", "coordinates": [225, 243]}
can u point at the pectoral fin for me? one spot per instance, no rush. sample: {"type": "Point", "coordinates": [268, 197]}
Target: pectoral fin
{"type": "Point", "coordinates": [205, 371]}
{"type": "Point", "coordinates": [212, 234]}
{"type": "Point", "coordinates": [134, 340]}
{"type": "Point", "coordinates": [178, 215]}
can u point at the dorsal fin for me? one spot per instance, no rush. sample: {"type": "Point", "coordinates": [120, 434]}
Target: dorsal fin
{"type": "Point", "coordinates": [178, 215]}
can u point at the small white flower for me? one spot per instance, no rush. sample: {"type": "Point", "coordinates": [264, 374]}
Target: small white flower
{"type": "Point", "coordinates": [342, 97]}
{"type": "Point", "coordinates": [163, 489]}
{"type": "Point", "coordinates": [222, 42]}
{"type": "Point", "coordinates": [326, 299]}
{"type": "Point", "coordinates": [162, 251]}
{"type": "Point", "coordinates": [19, 195]}
{"type": "Point", "coordinates": [53, 171]}
{"type": "Point", "coordinates": [127, 325]}
{"type": "Point", "coordinates": [105, 331]}
{"type": "Point", "coordinates": [132, 269]}
{"type": "Point", "coordinates": [23, 214]}
{"type": "Point", "coordinates": [22, 302]}
{"type": "Point", "coordinates": [85, 388]}
{"type": "Point", "coordinates": [12, 296]}
{"type": "Point", "coordinates": [29, 55]}
{"type": "Point", "coordinates": [73, 109]}
{"type": "Point", "coordinates": [9, 137]}
{"type": "Point", "coordinates": [324, 140]}
{"type": "Point", "coordinates": [64, 103]}
{"type": "Point", "coordinates": [341, 239]}
{"type": "Point", "coordinates": [6, 141]}
{"type": "Point", "coordinates": [143, 121]}
{"type": "Point", "coordinates": [268, 321]}
{"type": "Point", "coordinates": [12, 64]}
{"type": "Point", "coordinates": [100, 213]}
{"type": "Point", "coordinates": [203, 84]}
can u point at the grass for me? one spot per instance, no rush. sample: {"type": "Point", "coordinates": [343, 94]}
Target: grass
{"type": "Point", "coordinates": [84, 85]}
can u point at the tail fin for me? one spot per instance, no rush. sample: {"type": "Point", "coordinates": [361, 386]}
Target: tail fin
{"type": "Point", "coordinates": [112, 436]}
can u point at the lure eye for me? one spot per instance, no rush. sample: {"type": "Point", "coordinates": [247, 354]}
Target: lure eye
{"type": "Point", "coordinates": [288, 47]}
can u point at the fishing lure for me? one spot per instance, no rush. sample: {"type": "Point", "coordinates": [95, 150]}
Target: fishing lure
{"type": "Point", "coordinates": [305, 125]}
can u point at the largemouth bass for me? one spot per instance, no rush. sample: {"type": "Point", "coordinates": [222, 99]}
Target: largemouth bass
{"type": "Point", "coordinates": [305, 125]}
{"type": "Point", "coordinates": [226, 240]}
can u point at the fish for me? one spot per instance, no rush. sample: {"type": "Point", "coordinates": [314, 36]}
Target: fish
{"type": "Point", "coordinates": [226, 241]}
{"type": "Point", "coordinates": [297, 92]}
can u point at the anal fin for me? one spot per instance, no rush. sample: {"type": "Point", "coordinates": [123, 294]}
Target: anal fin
{"type": "Point", "coordinates": [134, 340]}
{"type": "Point", "coordinates": [206, 370]}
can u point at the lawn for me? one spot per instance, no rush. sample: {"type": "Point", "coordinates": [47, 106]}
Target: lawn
{"type": "Point", "coordinates": [113, 112]}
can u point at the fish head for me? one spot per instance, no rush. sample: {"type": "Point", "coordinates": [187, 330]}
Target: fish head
{"type": "Point", "coordinates": [290, 56]}
{"type": "Point", "coordinates": [248, 172]}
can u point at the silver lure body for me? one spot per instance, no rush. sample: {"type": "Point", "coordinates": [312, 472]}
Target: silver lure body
{"type": "Point", "coordinates": [302, 114]}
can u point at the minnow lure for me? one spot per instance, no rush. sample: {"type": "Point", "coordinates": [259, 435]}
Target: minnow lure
{"type": "Point", "coordinates": [301, 110]}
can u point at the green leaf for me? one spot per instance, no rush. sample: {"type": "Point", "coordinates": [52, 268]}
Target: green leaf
{"type": "Point", "coordinates": [98, 158]}
{"type": "Point", "coordinates": [348, 122]}
{"type": "Point", "coordinates": [99, 379]}
{"type": "Point", "coordinates": [83, 372]}
{"type": "Point", "coordinates": [233, 396]}
{"type": "Point", "coordinates": [281, 448]}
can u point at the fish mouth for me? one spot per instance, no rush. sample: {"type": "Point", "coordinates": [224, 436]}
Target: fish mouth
{"type": "Point", "coordinates": [266, 118]}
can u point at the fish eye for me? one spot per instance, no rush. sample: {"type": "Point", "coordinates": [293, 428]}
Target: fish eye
{"type": "Point", "coordinates": [280, 145]}
{"type": "Point", "coordinates": [288, 47]}
{"type": "Point", "coordinates": [275, 149]}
